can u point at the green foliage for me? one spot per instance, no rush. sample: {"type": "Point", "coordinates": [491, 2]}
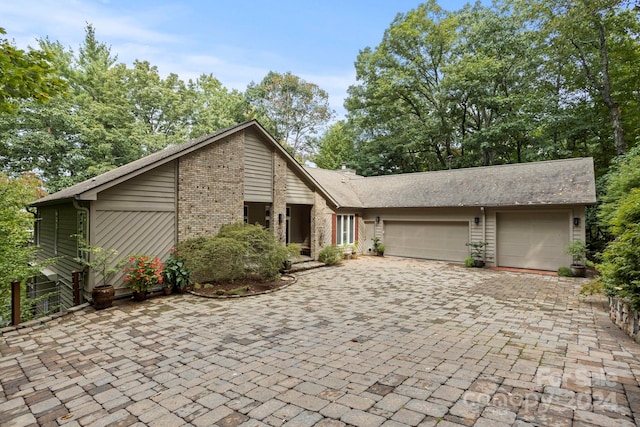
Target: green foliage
{"type": "Point", "coordinates": [264, 254]}
{"type": "Point", "coordinates": [565, 272]}
{"type": "Point", "coordinates": [237, 251]}
{"type": "Point", "coordinates": [621, 180]}
{"type": "Point", "coordinates": [336, 146]}
{"type": "Point", "coordinates": [104, 262]}
{"type": "Point", "coordinates": [380, 250]}
{"type": "Point", "coordinates": [468, 262]}
{"type": "Point", "coordinates": [292, 109]}
{"type": "Point", "coordinates": [17, 254]}
{"type": "Point", "coordinates": [111, 115]}
{"type": "Point", "coordinates": [175, 272]}
{"type": "Point", "coordinates": [620, 214]}
{"type": "Point", "coordinates": [15, 228]}
{"type": "Point", "coordinates": [492, 84]}
{"type": "Point", "coordinates": [620, 267]}
{"type": "Point", "coordinates": [578, 251]}
{"type": "Point", "coordinates": [25, 75]}
{"type": "Point", "coordinates": [477, 250]}
{"type": "Point", "coordinates": [594, 287]}
{"type": "Point", "coordinates": [330, 255]}
{"type": "Point", "coordinates": [214, 259]}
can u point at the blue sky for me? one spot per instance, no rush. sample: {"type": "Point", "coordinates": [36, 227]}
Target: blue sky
{"type": "Point", "coordinates": [236, 41]}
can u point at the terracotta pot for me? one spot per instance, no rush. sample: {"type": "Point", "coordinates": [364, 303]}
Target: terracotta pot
{"type": "Point", "coordinates": [103, 296]}
{"type": "Point", "coordinates": [140, 296]}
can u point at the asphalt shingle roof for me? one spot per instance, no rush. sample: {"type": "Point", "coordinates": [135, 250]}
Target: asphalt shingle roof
{"type": "Point", "coordinates": [556, 182]}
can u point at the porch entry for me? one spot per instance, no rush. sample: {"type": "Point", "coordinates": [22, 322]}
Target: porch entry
{"type": "Point", "coordinates": [299, 227]}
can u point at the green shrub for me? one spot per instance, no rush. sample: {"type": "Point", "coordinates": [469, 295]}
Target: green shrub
{"type": "Point", "coordinates": [592, 288]}
{"type": "Point", "coordinates": [239, 250]}
{"type": "Point", "coordinates": [213, 259]}
{"type": "Point", "coordinates": [565, 272]}
{"type": "Point", "coordinates": [468, 261]}
{"type": "Point", "coordinates": [330, 255]}
{"type": "Point", "coordinates": [264, 254]}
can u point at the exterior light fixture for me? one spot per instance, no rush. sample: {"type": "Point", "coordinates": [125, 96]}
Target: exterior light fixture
{"type": "Point", "coordinates": [476, 220]}
{"type": "Point", "coordinates": [576, 221]}
{"type": "Point", "coordinates": [280, 218]}
{"type": "Point", "coordinates": [377, 220]}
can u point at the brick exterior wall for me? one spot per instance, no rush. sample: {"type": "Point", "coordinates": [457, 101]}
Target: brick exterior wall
{"type": "Point", "coordinates": [279, 197]}
{"type": "Point", "coordinates": [210, 188]}
{"type": "Point", "coordinates": [320, 225]}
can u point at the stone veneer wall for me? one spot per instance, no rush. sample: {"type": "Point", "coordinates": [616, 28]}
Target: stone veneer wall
{"type": "Point", "coordinates": [279, 197]}
{"type": "Point", "coordinates": [210, 188]}
{"type": "Point", "coordinates": [625, 317]}
{"type": "Point", "coordinates": [320, 225]}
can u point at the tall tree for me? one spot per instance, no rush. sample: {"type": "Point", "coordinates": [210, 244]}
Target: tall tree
{"type": "Point", "coordinates": [336, 147]}
{"type": "Point", "coordinates": [214, 106]}
{"type": "Point", "coordinates": [25, 75]}
{"type": "Point", "coordinates": [399, 103]}
{"type": "Point", "coordinates": [294, 110]}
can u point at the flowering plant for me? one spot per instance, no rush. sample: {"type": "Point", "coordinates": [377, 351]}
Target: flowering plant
{"type": "Point", "coordinates": [142, 272]}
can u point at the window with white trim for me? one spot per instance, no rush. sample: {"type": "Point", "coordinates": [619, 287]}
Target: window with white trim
{"type": "Point", "coordinates": [345, 230]}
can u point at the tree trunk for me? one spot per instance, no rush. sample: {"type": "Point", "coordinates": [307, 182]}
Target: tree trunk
{"type": "Point", "coordinates": [615, 115]}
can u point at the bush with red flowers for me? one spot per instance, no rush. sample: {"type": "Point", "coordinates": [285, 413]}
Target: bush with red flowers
{"type": "Point", "coordinates": [142, 272]}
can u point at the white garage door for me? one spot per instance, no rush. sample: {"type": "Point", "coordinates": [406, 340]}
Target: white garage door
{"type": "Point", "coordinates": [444, 241]}
{"type": "Point", "coordinates": [533, 240]}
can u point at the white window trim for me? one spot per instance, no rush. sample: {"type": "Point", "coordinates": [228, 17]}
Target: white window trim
{"type": "Point", "coordinates": [346, 223]}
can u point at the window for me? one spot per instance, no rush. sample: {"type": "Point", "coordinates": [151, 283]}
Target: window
{"type": "Point", "coordinates": [345, 229]}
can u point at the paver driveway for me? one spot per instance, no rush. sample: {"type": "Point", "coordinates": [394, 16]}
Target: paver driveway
{"type": "Point", "coordinates": [376, 341]}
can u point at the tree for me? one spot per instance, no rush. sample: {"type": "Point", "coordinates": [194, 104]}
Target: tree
{"type": "Point", "coordinates": [25, 75]}
{"type": "Point", "coordinates": [336, 147]}
{"type": "Point", "coordinates": [214, 106]}
{"type": "Point", "coordinates": [399, 107]}
{"type": "Point", "coordinates": [599, 38]}
{"type": "Point", "coordinates": [292, 109]}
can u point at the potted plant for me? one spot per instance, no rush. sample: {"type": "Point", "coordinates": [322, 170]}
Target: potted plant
{"type": "Point", "coordinates": [477, 253]}
{"type": "Point", "coordinates": [291, 253]}
{"type": "Point", "coordinates": [141, 274]}
{"type": "Point", "coordinates": [578, 251]}
{"type": "Point", "coordinates": [104, 263]}
{"type": "Point", "coordinates": [175, 274]}
{"type": "Point", "coordinates": [378, 248]}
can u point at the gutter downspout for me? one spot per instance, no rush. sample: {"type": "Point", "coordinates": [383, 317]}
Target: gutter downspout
{"type": "Point", "coordinates": [484, 229]}
{"type": "Point", "coordinates": [86, 211]}
{"type": "Point", "coordinates": [77, 206]}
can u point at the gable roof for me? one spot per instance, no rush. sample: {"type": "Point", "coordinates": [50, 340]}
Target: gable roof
{"type": "Point", "coordinates": [555, 182]}
{"type": "Point", "coordinates": [87, 190]}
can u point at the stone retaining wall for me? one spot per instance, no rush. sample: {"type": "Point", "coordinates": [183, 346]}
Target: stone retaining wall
{"type": "Point", "coordinates": [625, 317]}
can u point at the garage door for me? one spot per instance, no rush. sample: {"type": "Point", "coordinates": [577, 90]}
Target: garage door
{"type": "Point", "coordinates": [431, 240]}
{"type": "Point", "coordinates": [533, 240]}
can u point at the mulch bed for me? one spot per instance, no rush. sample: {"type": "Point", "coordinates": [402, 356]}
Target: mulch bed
{"type": "Point", "coordinates": [240, 288]}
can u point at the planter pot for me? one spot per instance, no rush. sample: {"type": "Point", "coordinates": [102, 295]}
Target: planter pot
{"type": "Point", "coordinates": [286, 266]}
{"type": "Point", "coordinates": [103, 296]}
{"type": "Point", "coordinates": [179, 290]}
{"type": "Point", "coordinates": [578, 270]}
{"type": "Point", "coordinates": [140, 296]}
{"type": "Point", "coordinates": [166, 290]}
{"type": "Point", "coordinates": [478, 263]}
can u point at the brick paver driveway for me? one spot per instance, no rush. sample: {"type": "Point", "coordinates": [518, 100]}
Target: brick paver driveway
{"type": "Point", "coordinates": [372, 342]}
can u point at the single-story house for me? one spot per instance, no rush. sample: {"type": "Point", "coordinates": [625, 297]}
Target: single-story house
{"type": "Point", "coordinates": [528, 213]}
